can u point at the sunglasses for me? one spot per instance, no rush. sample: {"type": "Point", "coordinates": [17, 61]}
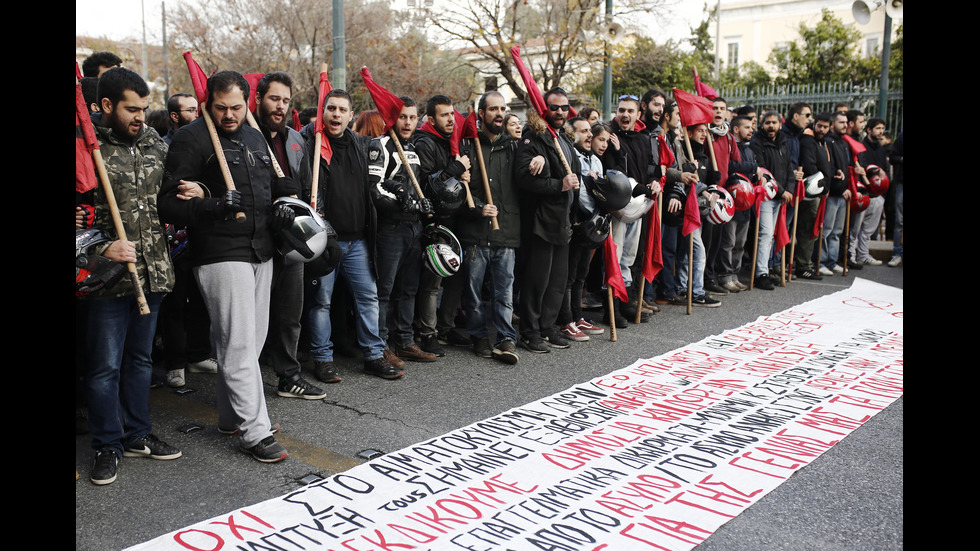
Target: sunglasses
{"type": "Point", "coordinates": [628, 96]}
{"type": "Point", "coordinates": [554, 107]}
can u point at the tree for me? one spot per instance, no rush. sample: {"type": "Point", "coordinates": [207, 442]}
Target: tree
{"type": "Point", "coordinates": [559, 38]}
{"type": "Point", "coordinates": [825, 52]}
{"type": "Point", "coordinates": [749, 75]}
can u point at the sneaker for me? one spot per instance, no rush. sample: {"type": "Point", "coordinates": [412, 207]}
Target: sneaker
{"type": "Point", "coordinates": [152, 447]}
{"type": "Point", "coordinates": [552, 337]}
{"type": "Point", "coordinates": [852, 265]}
{"type": "Point", "coordinates": [325, 372]}
{"type": "Point", "coordinates": [234, 431]}
{"type": "Point", "coordinates": [895, 261]}
{"type": "Point", "coordinates": [807, 274]}
{"type": "Point", "coordinates": [589, 302]}
{"type": "Point", "coordinates": [380, 367]}
{"type": "Point", "coordinates": [481, 347]}
{"type": "Point", "coordinates": [104, 467]}
{"type": "Point", "coordinates": [705, 301]}
{"type": "Point", "coordinates": [763, 282]}
{"type": "Point", "coordinates": [506, 352]}
{"type": "Point", "coordinates": [175, 378]}
{"type": "Point", "coordinates": [572, 332]}
{"type": "Point", "coordinates": [741, 286]}
{"type": "Point", "coordinates": [715, 289]}
{"type": "Point", "coordinates": [391, 358]}
{"type": "Point", "coordinates": [588, 327]}
{"type": "Point", "coordinates": [267, 451]}
{"type": "Point", "coordinates": [298, 387]}
{"type": "Point", "coordinates": [677, 300]}
{"type": "Point", "coordinates": [872, 261]}
{"type": "Point", "coordinates": [732, 287]}
{"type": "Point", "coordinates": [647, 306]}
{"type": "Point", "coordinates": [413, 353]}
{"type": "Point", "coordinates": [207, 365]}
{"type": "Point", "coordinates": [430, 344]}
{"type": "Point", "coordinates": [838, 269]}
{"type": "Point", "coordinates": [535, 344]}
{"type": "Point", "coordinates": [825, 271]}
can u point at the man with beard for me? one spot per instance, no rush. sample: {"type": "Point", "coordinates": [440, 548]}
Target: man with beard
{"type": "Point", "coordinates": [444, 177]}
{"type": "Point", "coordinates": [814, 158]}
{"type": "Point", "coordinates": [835, 209]}
{"type": "Point", "coordinates": [182, 109]}
{"type": "Point", "coordinates": [489, 253]}
{"type": "Point", "coordinates": [636, 163]}
{"type": "Point", "coordinates": [400, 215]}
{"type": "Point", "coordinates": [772, 153]}
{"type": "Point", "coordinates": [120, 339]}
{"type": "Point", "coordinates": [545, 201]}
{"type": "Point", "coordinates": [344, 198]}
{"type": "Point", "coordinates": [272, 96]}
{"type": "Point", "coordinates": [865, 223]}
{"type": "Point", "coordinates": [232, 258]}
{"type": "Point", "coordinates": [735, 232]}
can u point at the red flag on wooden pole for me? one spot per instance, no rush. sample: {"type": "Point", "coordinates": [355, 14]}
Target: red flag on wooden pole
{"type": "Point", "coordinates": [693, 109]}
{"type": "Point", "coordinates": [324, 88]}
{"type": "Point", "coordinates": [692, 212]}
{"type": "Point", "coordinates": [614, 276]}
{"type": "Point", "coordinates": [253, 82]}
{"type": "Point", "coordinates": [85, 141]}
{"type": "Point", "coordinates": [388, 104]}
{"type": "Point", "coordinates": [533, 92]}
{"type": "Point", "coordinates": [701, 88]}
{"type": "Point", "coordinates": [199, 80]}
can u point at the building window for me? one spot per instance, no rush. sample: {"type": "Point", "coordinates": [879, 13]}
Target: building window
{"type": "Point", "coordinates": [733, 54]}
{"type": "Point", "coordinates": [872, 46]}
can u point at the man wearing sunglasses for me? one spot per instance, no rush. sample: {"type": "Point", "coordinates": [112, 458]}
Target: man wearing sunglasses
{"type": "Point", "coordinates": [546, 198]}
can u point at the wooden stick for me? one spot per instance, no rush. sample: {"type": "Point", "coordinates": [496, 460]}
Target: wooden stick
{"type": "Point", "coordinates": [792, 247]}
{"type": "Point", "coordinates": [317, 143]}
{"type": "Point", "coordinates": [486, 183]}
{"type": "Point", "coordinates": [219, 152]}
{"type": "Point", "coordinates": [144, 308]}
{"type": "Point", "coordinates": [755, 253]}
{"type": "Point", "coordinates": [690, 271]}
{"type": "Point", "coordinates": [847, 234]}
{"type": "Point", "coordinates": [612, 315]}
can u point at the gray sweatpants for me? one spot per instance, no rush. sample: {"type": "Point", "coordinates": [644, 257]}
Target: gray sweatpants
{"type": "Point", "coordinates": [237, 298]}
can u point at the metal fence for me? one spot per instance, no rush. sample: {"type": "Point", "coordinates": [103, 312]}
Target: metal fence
{"type": "Point", "coordinates": [823, 97]}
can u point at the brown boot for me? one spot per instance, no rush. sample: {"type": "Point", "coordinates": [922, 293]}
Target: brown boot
{"type": "Point", "coordinates": [413, 353]}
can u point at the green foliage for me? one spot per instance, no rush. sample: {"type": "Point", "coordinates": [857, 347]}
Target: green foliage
{"type": "Point", "coordinates": [749, 75]}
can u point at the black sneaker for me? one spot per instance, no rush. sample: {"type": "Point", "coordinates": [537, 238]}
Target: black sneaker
{"type": "Point", "coordinates": [554, 339]}
{"type": "Point", "coordinates": [535, 344]}
{"type": "Point", "coordinates": [455, 337]}
{"type": "Point", "coordinates": [325, 371]}
{"type": "Point", "coordinates": [298, 387]}
{"type": "Point", "coordinates": [506, 352]}
{"type": "Point", "coordinates": [430, 343]}
{"type": "Point", "coordinates": [715, 289]}
{"type": "Point", "coordinates": [481, 347]}
{"type": "Point", "coordinates": [705, 301]}
{"type": "Point", "coordinates": [807, 274]}
{"type": "Point", "coordinates": [763, 282]}
{"type": "Point", "coordinates": [380, 367]}
{"type": "Point", "coordinates": [678, 300]}
{"type": "Point", "coordinates": [152, 447]}
{"type": "Point", "coordinates": [104, 467]}
{"type": "Point", "coordinates": [267, 451]}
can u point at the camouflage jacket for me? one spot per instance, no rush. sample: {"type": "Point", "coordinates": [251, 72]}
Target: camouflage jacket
{"type": "Point", "coordinates": [136, 173]}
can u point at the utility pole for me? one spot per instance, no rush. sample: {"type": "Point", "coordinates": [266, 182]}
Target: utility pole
{"type": "Point", "coordinates": [339, 78]}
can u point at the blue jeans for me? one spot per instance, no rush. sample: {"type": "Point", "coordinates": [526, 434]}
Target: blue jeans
{"type": "Point", "coordinates": [498, 263]}
{"type": "Point", "coordinates": [356, 269]}
{"type": "Point", "coordinates": [399, 269]}
{"type": "Point", "coordinates": [120, 343]}
{"type": "Point", "coordinates": [697, 282]}
{"type": "Point", "coordinates": [768, 216]}
{"type": "Point", "coordinates": [833, 226]}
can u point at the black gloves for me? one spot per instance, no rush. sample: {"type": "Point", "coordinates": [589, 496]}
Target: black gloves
{"type": "Point", "coordinates": [282, 216]}
{"type": "Point", "coordinates": [231, 202]}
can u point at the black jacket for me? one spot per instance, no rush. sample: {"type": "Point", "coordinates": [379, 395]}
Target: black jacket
{"type": "Point", "coordinates": [544, 206]}
{"type": "Point", "coordinates": [472, 228]}
{"type": "Point", "coordinates": [191, 157]}
{"type": "Point", "coordinates": [774, 155]}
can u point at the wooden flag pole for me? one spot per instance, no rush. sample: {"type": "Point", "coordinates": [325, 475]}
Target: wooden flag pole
{"type": "Point", "coordinates": [486, 183]}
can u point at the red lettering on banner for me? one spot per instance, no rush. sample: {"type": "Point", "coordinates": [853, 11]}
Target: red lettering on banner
{"type": "Point", "coordinates": [794, 448]}
{"type": "Point", "coordinates": [869, 403]}
{"type": "Point", "coordinates": [407, 532]}
{"type": "Point", "coordinates": [677, 529]}
{"type": "Point", "coordinates": [234, 527]}
{"type": "Point", "coordinates": [629, 528]}
{"type": "Point", "coordinates": [747, 461]}
{"type": "Point", "coordinates": [886, 387]}
{"type": "Point", "coordinates": [826, 421]}
{"type": "Point", "coordinates": [384, 544]}
{"type": "Point", "coordinates": [179, 538]}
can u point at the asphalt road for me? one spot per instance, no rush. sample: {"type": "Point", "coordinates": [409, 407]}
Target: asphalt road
{"type": "Point", "coordinates": [850, 498]}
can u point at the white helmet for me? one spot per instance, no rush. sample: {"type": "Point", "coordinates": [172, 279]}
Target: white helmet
{"type": "Point", "coordinates": [724, 207]}
{"type": "Point", "coordinates": [306, 238]}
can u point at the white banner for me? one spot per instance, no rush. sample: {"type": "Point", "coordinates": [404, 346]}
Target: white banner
{"type": "Point", "coordinates": [654, 456]}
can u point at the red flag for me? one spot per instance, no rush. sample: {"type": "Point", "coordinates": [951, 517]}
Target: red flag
{"type": "Point", "coordinates": [701, 88]}
{"type": "Point", "coordinates": [388, 104]}
{"type": "Point", "coordinates": [614, 277]}
{"type": "Point", "coordinates": [653, 260]}
{"type": "Point", "coordinates": [693, 109]}
{"type": "Point", "coordinates": [324, 88]}
{"type": "Point", "coordinates": [533, 92]}
{"type": "Point", "coordinates": [856, 146]}
{"type": "Point", "coordinates": [296, 124]}
{"type": "Point", "coordinates": [665, 151]}
{"type": "Point", "coordinates": [781, 232]}
{"type": "Point", "coordinates": [692, 212]}
{"type": "Point", "coordinates": [464, 129]}
{"type": "Point", "coordinates": [198, 79]}
{"type": "Point", "coordinates": [85, 141]}
{"type": "Point", "coordinates": [253, 82]}
{"type": "Point", "coordinates": [818, 223]}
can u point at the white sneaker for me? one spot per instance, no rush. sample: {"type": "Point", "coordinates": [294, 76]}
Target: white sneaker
{"type": "Point", "coordinates": [895, 261]}
{"type": "Point", "coordinates": [175, 378]}
{"type": "Point", "coordinates": [208, 365]}
{"type": "Point", "coordinates": [838, 269]}
{"type": "Point", "coordinates": [825, 271]}
{"type": "Point", "coordinates": [871, 261]}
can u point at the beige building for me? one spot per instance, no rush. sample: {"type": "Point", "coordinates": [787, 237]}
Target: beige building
{"type": "Point", "coordinates": [750, 30]}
